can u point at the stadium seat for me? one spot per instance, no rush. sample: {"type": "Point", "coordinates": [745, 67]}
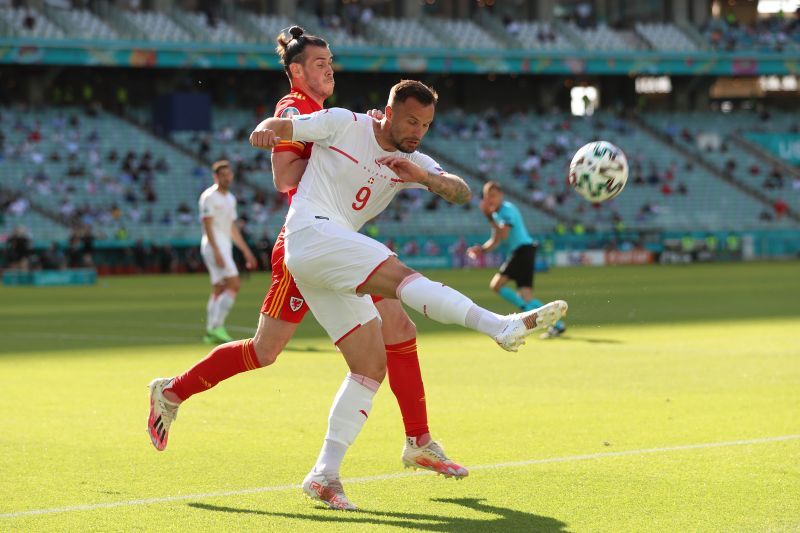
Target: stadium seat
{"type": "Point", "coordinates": [662, 36]}
{"type": "Point", "coordinates": [157, 26]}
{"type": "Point", "coordinates": [28, 22]}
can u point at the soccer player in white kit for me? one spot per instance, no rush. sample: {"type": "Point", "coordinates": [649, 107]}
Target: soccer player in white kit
{"type": "Point", "coordinates": [356, 168]}
{"type": "Point", "coordinates": [220, 232]}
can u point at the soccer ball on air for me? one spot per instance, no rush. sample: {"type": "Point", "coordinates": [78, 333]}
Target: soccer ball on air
{"type": "Point", "coordinates": [598, 171]}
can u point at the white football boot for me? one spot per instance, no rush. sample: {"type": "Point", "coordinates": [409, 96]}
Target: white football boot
{"type": "Point", "coordinates": [327, 490]}
{"type": "Point", "coordinates": [162, 413]}
{"type": "Point", "coordinates": [431, 457]}
{"type": "Point", "coordinates": [520, 325]}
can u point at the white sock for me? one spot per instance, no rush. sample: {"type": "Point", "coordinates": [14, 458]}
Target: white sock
{"type": "Point", "coordinates": [446, 305]}
{"type": "Point", "coordinates": [485, 321]}
{"type": "Point", "coordinates": [211, 313]}
{"type": "Point", "coordinates": [224, 304]}
{"type": "Point", "coordinates": [349, 412]}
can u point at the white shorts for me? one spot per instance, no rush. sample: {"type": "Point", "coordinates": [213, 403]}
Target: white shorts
{"type": "Point", "coordinates": [329, 263]}
{"type": "Point", "coordinates": [218, 274]}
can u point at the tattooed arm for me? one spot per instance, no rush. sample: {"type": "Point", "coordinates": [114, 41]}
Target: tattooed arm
{"type": "Point", "coordinates": [448, 186]}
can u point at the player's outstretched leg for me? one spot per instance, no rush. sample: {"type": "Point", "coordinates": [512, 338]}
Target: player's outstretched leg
{"type": "Point", "coordinates": [448, 306]}
{"type": "Point", "coordinates": [520, 325]}
{"type": "Point", "coordinates": [223, 362]}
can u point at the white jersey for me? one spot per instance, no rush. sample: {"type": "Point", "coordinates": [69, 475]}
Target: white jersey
{"type": "Point", "coordinates": [343, 182]}
{"type": "Point", "coordinates": [221, 207]}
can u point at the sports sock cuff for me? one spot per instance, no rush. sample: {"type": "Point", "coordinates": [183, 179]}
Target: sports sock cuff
{"type": "Point", "coordinates": [408, 279]}
{"type": "Point", "coordinates": [404, 346]}
{"type": "Point", "coordinates": [369, 383]}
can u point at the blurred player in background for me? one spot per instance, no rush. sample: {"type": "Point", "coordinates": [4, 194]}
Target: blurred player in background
{"type": "Point", "coordinates": [357, 166]}
{"type": "Point", "coordinates": [218, 215]}
{"type": "Point", "coordinates": [308, 64]}
{"type": "Point", "coordinates": [508, 227]}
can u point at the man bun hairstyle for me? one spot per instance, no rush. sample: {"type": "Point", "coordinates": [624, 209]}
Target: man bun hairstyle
{"type": "Point", "coordinates": [291, 46]}
{"type": "Point", "coordinates": [417, 90]}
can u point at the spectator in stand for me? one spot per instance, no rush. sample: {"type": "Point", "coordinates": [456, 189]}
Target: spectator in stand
{"type": "Point", "coordinates": [781, 208]}
{"type": "Point", "coordinates": [54, 258]}
{"type": "Point", "coordinates": [19, 206]}
{"type": "Point", "coordinates": [263, 251]}
{"type": "Point", "coordinates": [410, 248]}
{"type": "Point", "coordinates": [18, 247]}
{"type": "Point", "coordinates": [185, 214]}
{"type": "Point", "coordinates": [512, 26]}
{"type": "Point", "coordinates": [431, 249]}
{"type": "Point", "coordinates": [140, 254]}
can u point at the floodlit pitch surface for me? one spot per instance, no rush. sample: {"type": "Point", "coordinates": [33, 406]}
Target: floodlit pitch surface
{"type": "Point", "coordinates": [672, 404]}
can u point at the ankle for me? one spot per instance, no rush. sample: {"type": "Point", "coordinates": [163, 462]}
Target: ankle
{"type": "Point", "coordinates": [423, 440]}
{"type": "Point", "coordinates": [171, 397]}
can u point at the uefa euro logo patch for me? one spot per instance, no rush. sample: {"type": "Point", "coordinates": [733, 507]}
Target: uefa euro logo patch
{"type": "Point", "coordinates": [289, 112]}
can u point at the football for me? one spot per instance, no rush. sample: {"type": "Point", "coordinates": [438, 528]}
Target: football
{"type": "Point", "coordinates": [598, 171]}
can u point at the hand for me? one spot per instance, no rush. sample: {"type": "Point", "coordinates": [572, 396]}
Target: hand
{"type": "Point", "coordinates": [218, 259]}
{"type": "Point", "coordinates": [377, 114]}
{"type": "Point", "coordinates": [405, 169]}
{"type": "Point", "coordinates": [264, 138]}
{"type": "Point", "coordinates": [474, 252]}
{"type": "Point", "coordinates": [250, 261]}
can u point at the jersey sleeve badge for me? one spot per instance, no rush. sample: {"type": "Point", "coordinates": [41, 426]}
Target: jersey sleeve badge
{"type": "Point", "coordinates": [289, 112]}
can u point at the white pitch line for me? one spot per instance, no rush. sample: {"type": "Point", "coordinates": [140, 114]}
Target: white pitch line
{"type": "Point", "coordinates": [383, 477]}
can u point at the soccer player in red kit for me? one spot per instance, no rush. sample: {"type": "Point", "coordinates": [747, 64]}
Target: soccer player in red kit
{"type": "Point", "coordinates": [308, 64]}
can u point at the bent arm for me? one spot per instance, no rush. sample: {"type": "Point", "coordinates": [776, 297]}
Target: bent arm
{"type": "Point", "coordinates": [499, 234]}
{"type": "Point", "coordinates": [287, 169]}
{"type": "Point", "coordinates": [449, 186]}
{"type": "Point", "coordinates": [270, 131]}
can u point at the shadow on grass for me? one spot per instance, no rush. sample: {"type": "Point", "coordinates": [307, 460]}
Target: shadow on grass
{"type": "Point", "coordinates": [309, 349]}
{"type": "Point", "coordinates": [502, 519]}
{"type": "Point", "coordinates": [590, 340]}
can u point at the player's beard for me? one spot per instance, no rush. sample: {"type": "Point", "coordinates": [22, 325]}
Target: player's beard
{"type": "Point", "coordinates": [399, 144]}
{"type": "Point", "coordinates": [322, 88]}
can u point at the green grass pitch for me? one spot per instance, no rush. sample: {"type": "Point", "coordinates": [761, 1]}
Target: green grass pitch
{"type": "Point", "coordinates": [672, 404]}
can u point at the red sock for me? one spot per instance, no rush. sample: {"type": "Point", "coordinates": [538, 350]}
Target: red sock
{"type": "Point", "coordinates": [405, 379]}
{"type": "Point", "coordinates": [224, 361]}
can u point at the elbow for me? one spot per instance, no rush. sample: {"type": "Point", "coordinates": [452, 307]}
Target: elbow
{"type": "Point", "coordinates": [280, 186]}
{"type": "Point", "coordinates": [284, 186]}
{"type": "Point", "coordinates": [464, 197]}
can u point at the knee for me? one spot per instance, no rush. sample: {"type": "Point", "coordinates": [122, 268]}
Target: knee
{"type": "Point", "coordinates": [378, 372]}
{"type": "Point", "coordinates": [267, 351]}
{"type": "Point", "coordinates": [405, 328]}
{"type": "Point", "coordinates": [233, 285]}
{"type": "Point", "coordinates": [374, 370]}
{"type": "Point", "coordinates": [495, 285]}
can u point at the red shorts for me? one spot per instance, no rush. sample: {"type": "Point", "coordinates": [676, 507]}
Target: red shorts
{"type": "Point", "coordinates": [283, 300]}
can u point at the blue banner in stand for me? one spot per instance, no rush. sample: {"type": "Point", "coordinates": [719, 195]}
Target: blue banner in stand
{"type": "Point", "coordinates": [51, 278]}
{"type": "Point", "coordinates": [786, 146]}
{"type": "Point", "coordinates": [146, 54]}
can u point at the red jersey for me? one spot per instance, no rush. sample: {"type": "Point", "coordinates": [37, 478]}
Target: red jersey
{"type": "Point", "coordinates": [295, 103]}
